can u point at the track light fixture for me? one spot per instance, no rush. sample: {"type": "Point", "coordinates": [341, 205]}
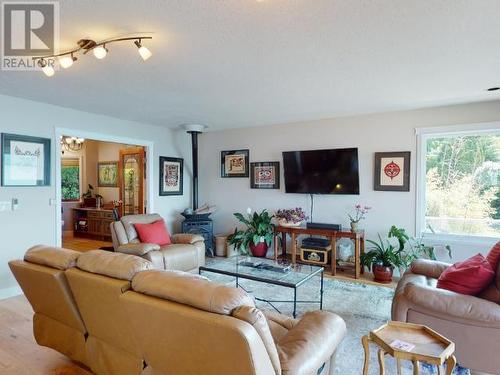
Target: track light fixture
{"type": "Point", "coordinates": [67, 58]}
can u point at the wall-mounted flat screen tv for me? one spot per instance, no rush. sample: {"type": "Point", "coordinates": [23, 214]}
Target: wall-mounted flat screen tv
{"type": "Point", "coordinates": [334, 171]}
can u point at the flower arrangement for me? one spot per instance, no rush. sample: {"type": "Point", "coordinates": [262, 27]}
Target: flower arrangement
{"type": "Point", "coordinates": [293, 216]}
{"type": "Point", "coordinates": [360, 213]}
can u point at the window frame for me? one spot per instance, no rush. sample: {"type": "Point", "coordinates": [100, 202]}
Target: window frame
{"type": "Point", "coordinates": [80, 178]}
{"type": "Point", "coordinates": [424, 134]}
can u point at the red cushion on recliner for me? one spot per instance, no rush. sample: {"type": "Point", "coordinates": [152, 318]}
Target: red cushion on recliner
{"type": "Point", "coordinates": [153, 233]}
{"type": "Point", "coordinates": [494, 255]}
{"type": "Point", "coordinates": [468, 277]}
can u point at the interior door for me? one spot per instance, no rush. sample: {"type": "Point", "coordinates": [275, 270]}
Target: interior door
{"type": "Point", "coordinates": [132, 180]}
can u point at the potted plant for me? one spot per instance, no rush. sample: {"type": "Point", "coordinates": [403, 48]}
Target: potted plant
{"type": "Point", "coordinates": [381, 259]}
{"type": "Point", "coordinates": [258, 233]}
{"type": "Point", "coordinates": [359, 214]}
{"type": "Point", "coordinates": [292, 217]}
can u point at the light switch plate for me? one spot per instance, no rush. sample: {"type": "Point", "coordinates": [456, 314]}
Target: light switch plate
{"type": "Point", "coordinates": [15, 204]}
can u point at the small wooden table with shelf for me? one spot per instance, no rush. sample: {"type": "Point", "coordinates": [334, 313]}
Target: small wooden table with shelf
{"type": "Point", "coordinates": [428, 346]}
{"type": "Point", "coordinates": [358, 238]}
{"type": "Point", "coordinates": [98, 222]}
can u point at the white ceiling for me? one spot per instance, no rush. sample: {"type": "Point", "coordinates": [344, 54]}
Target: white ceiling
{"type": "Point", "coordinates": [235, 63]}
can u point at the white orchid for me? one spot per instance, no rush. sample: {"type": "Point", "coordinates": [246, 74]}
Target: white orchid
{"type": "Point", "coordinates": [249, 210]}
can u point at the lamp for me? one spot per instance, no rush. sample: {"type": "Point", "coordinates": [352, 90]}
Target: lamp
{"type": "Point", "coordinates": [143, 51]}
{"type": "Point", "coordinates": [66, 61]}
{"type": "Point", "coordinates": [46, 68]}
{"type": "Point", "coordinates": [72, 143]}
{"type": "Point", "coordinates": [100, 52]}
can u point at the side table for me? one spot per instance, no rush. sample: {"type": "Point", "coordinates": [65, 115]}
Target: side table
{"type": "Point", "coordinates": [426, 345]}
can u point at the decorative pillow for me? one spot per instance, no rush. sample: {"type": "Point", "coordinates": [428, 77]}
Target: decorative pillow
{"type": "Point", "coordinates": [468, 277]}
{"type": "Point", "coordinates": [155, 232]}
{"type": "Point", "coordinates": [493, 256]}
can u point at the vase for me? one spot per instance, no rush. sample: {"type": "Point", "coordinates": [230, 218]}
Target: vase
{"type": "Point", "coordinates": [382, 274]}
{"type": "Point", "coordinates": [259, 250]}
{"type": "Point", "coordinates": [288, 224]}
{"type": "Point", "coordinates": [354, 226]}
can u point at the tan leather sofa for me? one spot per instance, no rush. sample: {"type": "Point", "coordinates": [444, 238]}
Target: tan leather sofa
{"type": "Point", "coordinates": [117, 315]}
{"type": "Point", "coordinates": [473, 323]}
{"type": "Point", "coordinates": [186, 253]}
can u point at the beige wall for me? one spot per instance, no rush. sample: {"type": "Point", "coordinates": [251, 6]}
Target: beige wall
{"type": "Point", "coordinates": [393, 131]}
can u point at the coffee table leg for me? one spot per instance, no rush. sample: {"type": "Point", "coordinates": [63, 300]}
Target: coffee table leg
{"type": "Point", "coordinates": [450, 364]}
{"type": "Point", "coordinates": [398, 365]}
{"type": "Point", "coordinates": [294, 303]}
{"type": "Point", "coordinates": [416, 368]}
{"type": "Point", "coordinates": [366, 341]}
{"type": "Point", "coordinates": [321, 292]}
{"type": "Point", "coordinates": [381, 361]}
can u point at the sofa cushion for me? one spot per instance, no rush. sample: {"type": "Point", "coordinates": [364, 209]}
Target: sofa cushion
{"type": "Point", "coordinates": [180, 257]}
{"type": "Point", "coordinates": [128, 222]}
{"type": "Point", "coordinates": [468, 277]}
{"type": "Point", "coordinates": [493, 256]}
{"type": "Point", "coordinates": [492, 293]}
{"type": "Point", "coordinates": [52, 256]}
{"type": "Point", "coordinates": [192, 290]}
{"type": "Point", "coordinates": [117, 265]}
{"type": "Point", "coordinates": [155, 233]}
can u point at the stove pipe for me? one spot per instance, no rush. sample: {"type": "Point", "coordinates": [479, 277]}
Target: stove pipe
{"type": "Point", "coordinates": [194, 130]}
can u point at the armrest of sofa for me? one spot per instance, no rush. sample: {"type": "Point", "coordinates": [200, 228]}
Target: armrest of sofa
{"type": "Point", "coordinates": [429, 268]}
{"type": "Point", "coordinates": [448, 303]}
{"type": "Point", "coordinates": [186, 238]}
{"type": "Point", "coordinates": [137, 248]}
{"type": "Point", "coordinates": [310, 343]}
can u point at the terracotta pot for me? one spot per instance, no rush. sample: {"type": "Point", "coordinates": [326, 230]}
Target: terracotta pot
{"type": "Point", "coordinates": [259, 250]}
{"type": "Point", "coordinates": [382, 274]}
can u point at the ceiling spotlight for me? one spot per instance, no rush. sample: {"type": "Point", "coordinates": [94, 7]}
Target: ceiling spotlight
{"type": "Point", "coordinates": [100, 52]}
{"type": "Point", "coordinates": [66, 61]}
{"type": "Point", "coordinates": [46, 68]}
{"type": "Point", "coordinates": [143, 51]}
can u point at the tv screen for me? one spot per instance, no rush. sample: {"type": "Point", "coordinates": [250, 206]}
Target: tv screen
{"type": "Point", "coordinates": [322, 171]}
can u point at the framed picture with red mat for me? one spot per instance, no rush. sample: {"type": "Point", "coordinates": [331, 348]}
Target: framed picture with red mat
{"type": "Point", "coordinates": [392, 171]}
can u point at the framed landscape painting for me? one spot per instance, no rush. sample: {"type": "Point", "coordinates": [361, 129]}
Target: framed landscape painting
{"type": "Point", "coordinates": [265, 175]}
{"type": "Point", "coordinates": [171, 176]}
{"type": "Point", "coordinates": [234, 163]}
{"type": "Point", "coordinates": [392, 171]}
{"type": "Point", "coordinates": [107, 172]}
{"type": "Point", "coordinates": [25, 160]}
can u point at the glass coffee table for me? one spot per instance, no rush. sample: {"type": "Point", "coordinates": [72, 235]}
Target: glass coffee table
{"type": "Point", "coordinates": [270, 272]}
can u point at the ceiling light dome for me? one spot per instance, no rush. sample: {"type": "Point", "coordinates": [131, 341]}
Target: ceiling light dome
{"type": "Point", "coordinates": [100, 52]}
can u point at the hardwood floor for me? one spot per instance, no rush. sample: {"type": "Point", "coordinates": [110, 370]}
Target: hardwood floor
{"type": "Point", "coordinates": [19, 353]}
{"type": "Point", "coordinates": [82, 244]}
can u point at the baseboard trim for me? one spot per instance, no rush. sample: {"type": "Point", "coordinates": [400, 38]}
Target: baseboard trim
{"type": "Point", "coordinates": [10, 292]}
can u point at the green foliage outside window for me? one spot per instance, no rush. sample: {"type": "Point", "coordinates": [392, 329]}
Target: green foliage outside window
{"type": "Point", "coordinates": [463, 184]}
{"type": "Point", "coordinates": [70, 182]}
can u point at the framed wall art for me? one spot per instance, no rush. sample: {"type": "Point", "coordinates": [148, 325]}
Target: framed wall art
{"type": "Point", "coordinates": [25, 160]}
{"type": "Point", "coordinates": [107, 174]}
{"type": "Point", "coordinates": [234, 163]}
{"type": "Point", "coordinates": [265, 175]}
{"type": "Point", "coordinates": [171, 176]}
{"type": "Point", "coordinates": [392, 171]}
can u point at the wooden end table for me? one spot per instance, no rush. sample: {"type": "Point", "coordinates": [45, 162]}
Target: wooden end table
{"type": "Point", "coordinates": [429, 347]}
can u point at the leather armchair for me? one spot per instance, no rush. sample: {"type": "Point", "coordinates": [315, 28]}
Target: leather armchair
{"type": "Point", "coordinates": [186, 253]}
{"type": "Point", "coordinates": [473, 323]}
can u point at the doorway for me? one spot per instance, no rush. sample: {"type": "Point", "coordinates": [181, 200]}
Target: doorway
{"type": "Point", "coordinates": [98, 180]}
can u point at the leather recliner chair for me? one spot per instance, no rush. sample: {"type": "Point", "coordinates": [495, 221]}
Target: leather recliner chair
{"type": "Point", "coordinates": [472, 323]}
{"type": "Point", "coordinates": [186, 253]}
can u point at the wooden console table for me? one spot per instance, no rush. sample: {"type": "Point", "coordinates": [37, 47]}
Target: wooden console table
{"type": "Point", "coordinates": [98, 222]}
{"type": "Point", "coordinates": [333, 235]}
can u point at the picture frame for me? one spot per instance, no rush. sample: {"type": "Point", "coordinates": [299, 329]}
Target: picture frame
{"type": "Point", "coordinates": [25, 160]}
{"type": "Point", "coordinates": [107, 174]}
{"type": "Point", "coordinates": [392, 171]}
{"type": "Point", "coordinates": [265, 175]}
{"type": "Point", "coordinates": [171, 176]}
{"type": "Point", "coordinates": [235, 163]}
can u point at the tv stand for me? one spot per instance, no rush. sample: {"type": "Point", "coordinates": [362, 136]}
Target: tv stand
{"type": "Point", "coordinates": [358, 238]}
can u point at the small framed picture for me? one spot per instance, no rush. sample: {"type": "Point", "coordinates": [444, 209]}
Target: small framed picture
{"type": "Point", "coordinates": [392, 171]}
{"type": "Point", "coordinates": [171, 176]}
{"type": "Point", "coordinates": [107, 174]}
{"type": "Point", "coordinates": [25, 160]}
{"type": "Point", "coordinates": [234, 163]}
{"type": "Point", "coordinates": [265, 175]}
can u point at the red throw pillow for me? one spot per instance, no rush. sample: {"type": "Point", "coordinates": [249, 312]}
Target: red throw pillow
{"type": "Point", "coordinates": [493, 256]}
{"type": "Point", "coordinates": [468, 277]}
{"type": "Point", "coordinates": [153, 233]}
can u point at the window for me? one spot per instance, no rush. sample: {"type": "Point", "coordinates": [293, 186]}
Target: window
{"type": "Point", "coordinates": [459, 185]}
{"type": "Point", "coordinates": [70, 179]}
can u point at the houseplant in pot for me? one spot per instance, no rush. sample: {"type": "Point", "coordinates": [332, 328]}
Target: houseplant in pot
{"type": "Point", "coordinates": [382, 258]}
{"type": "Point", "coordinates": [258, 233]}
{"type": "Point", "coordinates": [359, 214]}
